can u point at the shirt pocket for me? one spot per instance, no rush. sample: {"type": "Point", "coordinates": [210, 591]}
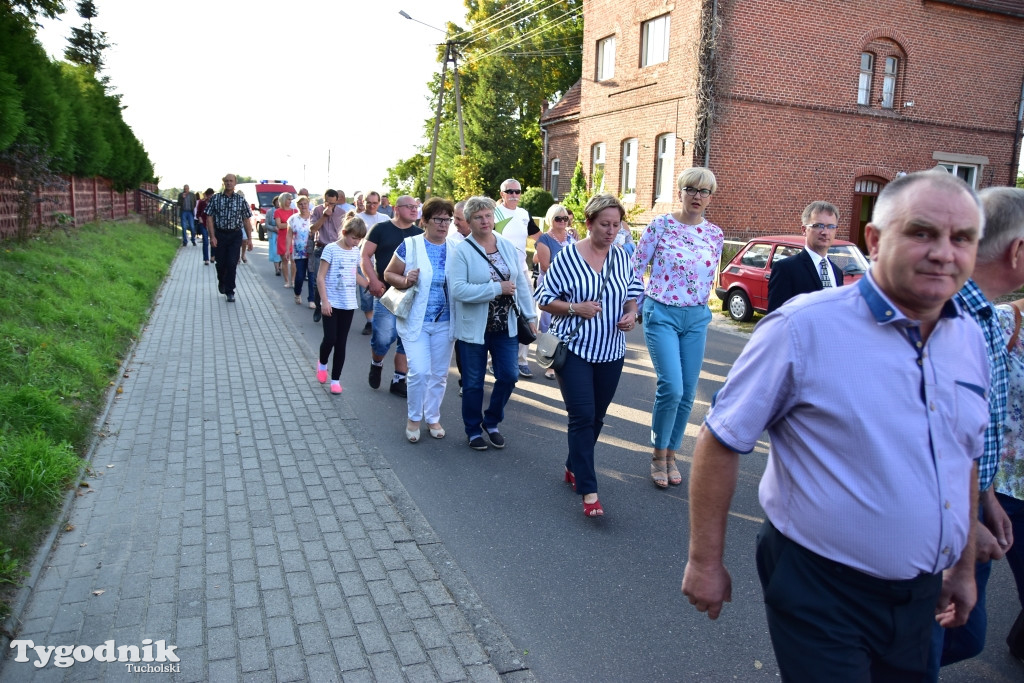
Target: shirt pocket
{"type": "Point", "coordinates": [971, 416]}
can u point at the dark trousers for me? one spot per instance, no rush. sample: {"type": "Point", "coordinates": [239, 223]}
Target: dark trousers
{"type": "Point", "coordinates": [504, 350]}
{"type": "Point", "coordinates": [1014, 508]}
{"type": "Point", "coordinates": [587, 389]}
{"type": "Point", "coordinates": [227, 253]}
{"type": "Point", "coordinates": [336, 326]}
{"type": "Point", "coordinates": [829, 622]}
{"type": "Point", "coordinates": [317, 252]}
{"type": "Point", "coordinates": [300, 276]}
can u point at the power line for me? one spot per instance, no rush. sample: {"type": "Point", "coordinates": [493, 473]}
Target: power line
{"type": "Point", "coordinates": [554, 23]}
{"type": "Point", "coordinates": [498, 17]}
{"type": "Point", "coordinates": [509, 24]}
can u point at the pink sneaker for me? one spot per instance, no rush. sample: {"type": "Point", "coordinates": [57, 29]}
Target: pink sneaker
{"type": "Point", "coordinates": [335, 387]}
{"type": "Point", "coordinates": [321, 376]}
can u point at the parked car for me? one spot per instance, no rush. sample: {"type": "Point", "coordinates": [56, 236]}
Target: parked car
{"type": "Point", "coordinates": [743, 283]}
{"type": "Point", "coordinates": [261, 197]}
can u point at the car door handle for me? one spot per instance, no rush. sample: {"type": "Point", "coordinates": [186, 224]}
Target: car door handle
{"type": "Point", "coordinates": [767, 276]}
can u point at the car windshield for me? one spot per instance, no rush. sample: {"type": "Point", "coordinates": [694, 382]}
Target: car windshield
{"type": "Point", "coordinates": [849, 258]}
{"type": "Point", "coordinates": [267, 199]}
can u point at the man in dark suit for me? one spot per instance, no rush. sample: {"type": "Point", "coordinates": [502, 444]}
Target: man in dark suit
{"type": "Point", "coordinates": [811, 269]}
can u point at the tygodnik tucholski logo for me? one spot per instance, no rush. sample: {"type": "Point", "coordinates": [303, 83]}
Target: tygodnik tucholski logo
{"type": "Point", "coordinates": [64, 656]}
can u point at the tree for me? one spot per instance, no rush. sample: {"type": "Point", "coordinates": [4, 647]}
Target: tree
{"type": "Point", "coordinates": [410, 176]}
{"type": "Point", "coordinates": [86, 46]}
{"type": "Point", "coordinates": [579, 194]}
{"type": "Point", "coordinates": [30, 9]}
{"type": "Point", "coordinates": [243, 178]}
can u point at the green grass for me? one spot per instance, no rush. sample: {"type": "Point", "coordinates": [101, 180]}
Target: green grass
{"type": "Point", "coordinates": [70, 306]}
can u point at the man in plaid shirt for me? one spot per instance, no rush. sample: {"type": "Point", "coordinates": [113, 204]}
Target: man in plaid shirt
{"type": "Point", "coordinates": [228, 222]}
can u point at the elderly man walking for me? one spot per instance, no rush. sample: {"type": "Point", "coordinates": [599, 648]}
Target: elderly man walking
{"type": "Point", "coordinates": [187, 210]}
{"type": "Point", "coordinates": [869, 503]}
{"type": "Point", "coordinates": [229, 222]}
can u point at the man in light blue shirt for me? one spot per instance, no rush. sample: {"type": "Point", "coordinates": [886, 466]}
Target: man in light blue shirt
{"type": "Point", "coordinates": [869, 503]}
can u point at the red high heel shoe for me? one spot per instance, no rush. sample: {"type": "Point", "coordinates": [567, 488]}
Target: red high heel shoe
{"type": "Point", "coordinates": [570, 478]}
{"type": "Point", "coordinates": [592, 509]}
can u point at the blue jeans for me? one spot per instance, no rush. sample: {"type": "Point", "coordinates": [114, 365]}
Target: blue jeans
{"type": "Point", "coordinates": [206, 240]}
{"type": "Point", "coordinates": [504, 352]}
{"type": "Point", "coordinates": [385, 331]}
{"type": "Point", "coordinates": [1014, 508]}
{"type": "Point", "coordinates": [675, 338]}
{"type": "Point", "coordinates": [300, 277]}
{"type": "Point", "coordinates": [188, 222]}
{"type": "Point", "coordinates": [587, 389]}
{"type": "Point", "coordinates": [365, 299]}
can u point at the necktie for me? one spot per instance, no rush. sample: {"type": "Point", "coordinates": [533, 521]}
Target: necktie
{"type": "Point", "coordinates": [826, 281]}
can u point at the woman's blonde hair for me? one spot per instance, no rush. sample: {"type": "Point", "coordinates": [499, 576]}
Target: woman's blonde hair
{"type": "Point", "coordinates": [600, 202]}
{"type": "Point", "coordinates": [698, 177]}
{"type": "Point", "coordinates": [554, 210]}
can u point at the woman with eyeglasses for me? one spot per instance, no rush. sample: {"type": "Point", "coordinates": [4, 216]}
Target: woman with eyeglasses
{"type": "Point", "coordinates": [683, 250]}
{"type": "Point", "coordinates": [428, 333]}
{"type": "Point", "coordinates": [548, 245]}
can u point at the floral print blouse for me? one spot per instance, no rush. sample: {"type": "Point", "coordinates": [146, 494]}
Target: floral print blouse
{"type": "Point", "coordinates": [1010, 476]}
{"type": "Point", "coordinates": [684, 261]}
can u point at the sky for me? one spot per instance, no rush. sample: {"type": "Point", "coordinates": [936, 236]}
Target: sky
{"type": "Point", "coordinates": [271, 90]}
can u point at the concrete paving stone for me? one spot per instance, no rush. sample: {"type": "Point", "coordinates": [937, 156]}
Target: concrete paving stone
{"type": "Point", "coordinates": [267, 556]}
{"type": "Point", "coordinates": [314, 639]}
{"type": "Point", "coordinates": [308, 531]}
{"type": "Point", "coordinates": [262, 536]}
{"type": "Point", "coordinates": [410, 551]}
{"type": "Point", "coordinates": [224, 671]}
{"type": "Point", "coordinates": [191, 577]}
{"type": "Point", "coordinates": [246, 594]}
{"type": "Point", "coordinates": [241, 549]}
{"type": "Point", "coordinates": [321, 668]}
{"type": "Point", "coordinates": [249, 622]}
{"type": "Point", "coordinates": [271, 578]}
{"type": "Point", "coordinates": [468, 648]}
{"type": "Point", "coordinates": [315, 549]}
{"type": "Point", "coordinates": [431, 633]}
{"type": "Point", "coordinates": [243, 570]}
{"type": "Point", "coordinates": [216, 534]}
{"type": "Point", "coordinates": [318, 492]}
{"type": "Point", "coordinates": [283, 523]}
{"type": "Point", "coordinates": [389, 514]}
{"type": "Point", "coordinates": [399, 532]}
{"type": "Point", "coordinates": [51, 579]}
{"type": "Point", "coordinates": [190, 603]}
{"type": "Point", "coordinates": [402, 581]}
{"type": "Point", "coordinates": [216, 508]}
{"type": "Point", "coordinates": [422, 570]}
{"type": "Point", "coordinates": [328, 525]}
{"type": "Point", "coordinates": [292, 561]}
{"type": "Point", "coordinates": [373, 637]}
{"type": "Point", "coordinates": [363, 506]}
{"type": "Point", "coordinates": [372, 522]}
{"type": "Point", "coordinates": [163, 590]}
{"type": "Point", "coordinates": [288, 664]}
{"type": "Point", "coordinates": [95, 628]}
{"type": "Point", "coordinates": [77, 589]}
{"type": "Point", "coordinates": [349, 651]}
{"type": "Point", "coordinates": [339, 622]}
{"type": "Point", "coordinates": [452, 619]}
{"type": "Point", "coordinates": [159, 618]}
{"type": "Point", "coordinates": [218, 586]}
{"type": "Point", "coordinates": [407, 648]}
{"type": "Point", "coordinates": [192, 536]}
{"type": "Point", "coordinates": [275, 602]}
{"type": "Point", "coordinates": [300, 583]}
{"type": "Point", "coordinates": [193, 555]}
{"type": "Point", "coordinates": [353, 530]}
{"type": "Point", "coordinates": [436, 592]}
{"type": "Point", "coordinates": [420, 673]}
{"type": "Point", "coordinates": [362, 549]}
{"type": "Point", "coordinates": [447, 664]}
{"type": "Point", "coordinates": [135, 586]}
{"type": "Point", "coordinates": [218, 613]}
{"type": "Point", "coordinates": [305, 610]}
{"type": "Point", "coordinates": [360, 676]}
{"type": "Point", "coordinates": [281, 631]}
{"type": "Point", "coordinates": [68, 619]}
{"type": "Point", "coordinates": [252, 654]}
{"type": "Point", "coordinates": [345, 511]}
{"type": "Point", "coordinates": [483, 673]}
{"type": "Point", "coordinates": [301, 506]}
{"type": "Point", "coordinates": [235, 489]}
{"type": "Point", "coordinates": [321, 571]}
{"type": "Point", "coordinates": [381, 540]}
{"type": "Point", "coordinates": [45, 602]}
{"type": "Point", "coordinates": [220, 643]}
{"type": "Point", "coordinates": [239, 515]}
{"type": "Point", "coordinates": [385, 667]}
{"type": "Point", "coordinates": [189, 632]}
{"type": "Point", "coordinates": [353, 584]}
{"type": "Point", "coordinates": [193, 501]}
{"type": "Point", "coordinates": [382, 592]}
{"type": "Point", "coordinates": [395, 619]}
{"type": "Point", "coordinates": [416, 605]}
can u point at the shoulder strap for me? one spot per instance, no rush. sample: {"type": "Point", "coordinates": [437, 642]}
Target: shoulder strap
{"type": "Point", "coordinates": [1016, 326]}
{"type": "Point", "coordinates": [484, 257]}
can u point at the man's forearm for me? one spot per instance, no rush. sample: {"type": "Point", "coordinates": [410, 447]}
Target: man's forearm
{"type": "Point", "coordinates": [712, 484]}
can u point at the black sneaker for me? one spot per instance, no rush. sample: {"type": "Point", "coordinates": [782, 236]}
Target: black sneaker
{"type": "Point", "coordinates": [399, 388]}
{"type": "Point", "coordinates": [524, 371]}
{"type": "Point", "coordinates": [317, 317]}
{"type": "Point", "coordinates": [367, 328]}
{"type": "Point", "coordinates": [375, 371]}
{"type": "Point", "coordinates": [496, 439]}
{"type": "Point", "coordinates": [477, 443]}
{"type": "Point", "coordinates": [231, 298]}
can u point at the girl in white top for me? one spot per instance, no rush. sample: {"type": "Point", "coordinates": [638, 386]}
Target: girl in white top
{"type": "Point", "coordinates": [337, 279]}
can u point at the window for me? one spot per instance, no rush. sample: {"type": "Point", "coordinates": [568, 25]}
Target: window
{"type": "Point", "coordinates": [867, 66]}
{"type": "Point", "coordinates": [606, 58]}
{"type": "Point", "coordinates": [889, 82]}
{"type": "Point", "coordinates": [629, 168]}
{"type": "Point", "coordinates": [756, 255]}
{"type": "Point", "coordinates": [665, 168]}
{"type": "Point", "coordinates": [655, 46]}
{"type": "Point", "coordinates": [554, 178]}
{"type": "Point", "coordinates": [597, 171]}
{"type": "Point", "coordinates": [967, 172]}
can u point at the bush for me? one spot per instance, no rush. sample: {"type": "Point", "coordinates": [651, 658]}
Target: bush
{"type": "Point", "coordinates": [536, 201]}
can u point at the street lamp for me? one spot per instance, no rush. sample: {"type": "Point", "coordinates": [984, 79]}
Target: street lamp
{"type": "Point", "coordinates": [449, 55]}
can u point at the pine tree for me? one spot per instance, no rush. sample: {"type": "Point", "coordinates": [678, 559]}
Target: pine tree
{"type": "Point", "coordinates": [86, 46]}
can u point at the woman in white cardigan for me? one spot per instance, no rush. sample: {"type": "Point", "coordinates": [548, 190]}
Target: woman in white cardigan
{"type": "Point", "coordinates": [428, 331]}
{"type": "Point", "coordinates": [487, 285]}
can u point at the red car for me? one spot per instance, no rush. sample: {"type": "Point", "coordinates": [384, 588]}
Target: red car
{"type": "Point", "coordinates": [743, 283]}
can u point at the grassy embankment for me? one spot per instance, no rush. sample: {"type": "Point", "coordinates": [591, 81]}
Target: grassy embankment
{"type": "Point", "coordinates": [70, 306]}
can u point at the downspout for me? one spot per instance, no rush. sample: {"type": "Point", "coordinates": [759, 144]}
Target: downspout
{"type": "Point", "coordinates": [707, 133]}
{"type": "Point", "coordinates": [1015, 157]}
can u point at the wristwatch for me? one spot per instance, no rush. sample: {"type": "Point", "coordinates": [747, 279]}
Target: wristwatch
{"type": "Point", "coordinates": [571, 312]}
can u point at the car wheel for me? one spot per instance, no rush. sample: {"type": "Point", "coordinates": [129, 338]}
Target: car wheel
{"type": "Point", "coordinates": [739, 306]}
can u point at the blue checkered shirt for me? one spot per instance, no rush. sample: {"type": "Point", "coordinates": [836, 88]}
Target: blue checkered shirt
{"type": "Point", "coordinates": [974, 303]}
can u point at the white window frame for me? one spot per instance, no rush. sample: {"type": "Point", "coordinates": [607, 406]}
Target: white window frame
{"type": "Point", "coordinates": [864, 82]}
{"type": "Point", "coordinates": [627, 178]}
{"type": "Point", "coordinates": [655, 32]}
{"type": "Point", "coordinates": [597, 163]}
{"type": "Point", "coordinates": [967, 172]}
{"type": "Point", "coordinates": [553, 180]}
{"type": "Point", "coordinates": [664, 167]}
{"type": "Point", "coordinates": [892, 67]}
{"type": "Point", "coordinates": [606, 58]}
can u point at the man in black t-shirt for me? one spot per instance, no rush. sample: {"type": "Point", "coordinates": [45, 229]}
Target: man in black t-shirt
{"type": "Point", "coordinates": [380, 245]}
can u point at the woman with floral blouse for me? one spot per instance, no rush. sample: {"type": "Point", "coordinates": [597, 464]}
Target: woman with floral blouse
{"type": "Point", "coordinates": [683, 250]}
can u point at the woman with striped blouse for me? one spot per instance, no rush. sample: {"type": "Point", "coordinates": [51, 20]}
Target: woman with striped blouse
{"type": "Point", "coordinates": [593, 283]}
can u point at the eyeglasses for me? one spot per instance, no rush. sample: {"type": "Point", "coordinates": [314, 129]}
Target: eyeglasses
{"type": "Point", "coordinates": [561, 219]}
{"type": "Point", "coordinates": [405, 206]}
{"type": "Point", "coordinates": [512, 191]}
{"type": "Point", "coordinates": [693, 191]}
{"type": "Point", "coordinates": [441, 222]}
{"type": "Point", "coordinates": [822, 226]}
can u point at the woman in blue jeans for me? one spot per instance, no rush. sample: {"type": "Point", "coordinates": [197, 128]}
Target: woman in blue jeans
{"type": "Point", "coordinates": [486, 286]}
{"type": "Point", "coordinates": [591, 291]}
{"type": "Point", "coordinates": [683, 250]}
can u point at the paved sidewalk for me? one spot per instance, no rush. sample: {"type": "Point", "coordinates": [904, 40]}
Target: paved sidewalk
{"type": "Point", "coordinates": [231, 513]}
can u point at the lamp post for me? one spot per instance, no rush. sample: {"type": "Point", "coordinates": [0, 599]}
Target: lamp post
{"type": "Point", "coordinates": [449, 55]}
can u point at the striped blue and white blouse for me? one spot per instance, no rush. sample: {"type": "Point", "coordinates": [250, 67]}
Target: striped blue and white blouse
{"type": "Point", "coordinates": [570, 278]}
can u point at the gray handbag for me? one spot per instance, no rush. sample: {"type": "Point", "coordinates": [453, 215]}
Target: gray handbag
{"type": "Point", "coordinates": [399, 301]}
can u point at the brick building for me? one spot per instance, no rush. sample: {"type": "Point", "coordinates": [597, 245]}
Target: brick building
{"type": "Point", "coordinates": [560, 127]}
{"type": "Point", "coordinates": [791, 102]}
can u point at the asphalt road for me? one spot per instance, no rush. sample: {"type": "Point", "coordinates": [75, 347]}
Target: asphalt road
{"type": "Point", "coordinates": [591, 599]}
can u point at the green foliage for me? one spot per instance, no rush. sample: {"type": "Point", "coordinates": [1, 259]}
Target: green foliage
{"type": "Point", "coordinates": [579, 194]}
{"type": "Point", "coordinates": [30, 9]}
{"type": "Point", "coordinates": [513, 60]}
{"type": "Point", "coordinates": [466, 179]}
{"type": "Point", "coordinates": [69, 308]}
{"type": "Point", "coordinates": [238, 178]}
{"type": "Point", "coordinates": [85, 46]}
{"type": "Point", "coordinates": [536, 200]}
{"type": "Point", "coordinates": [1020, 180]}
{"type": "Point", "coordinates": [410, 176]}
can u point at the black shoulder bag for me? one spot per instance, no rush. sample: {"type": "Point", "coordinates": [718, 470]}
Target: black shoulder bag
{"type": "Point", "coordinates": [523, 331]}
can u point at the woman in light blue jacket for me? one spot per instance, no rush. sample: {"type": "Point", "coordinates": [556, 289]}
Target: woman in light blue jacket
{"type": "Point", "coordinates": [428, 332]}
{"type": "Point", "coordinates": [487, 287]}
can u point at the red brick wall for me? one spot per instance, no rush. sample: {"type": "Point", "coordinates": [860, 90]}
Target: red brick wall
{"type": "Point", "coordinates": [564, 145]}
{"type": "Point", "coordinates": [789, 129]}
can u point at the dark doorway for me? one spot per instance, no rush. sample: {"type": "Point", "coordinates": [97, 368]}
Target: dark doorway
{"type": "Point", "coordinates": [865, 192]}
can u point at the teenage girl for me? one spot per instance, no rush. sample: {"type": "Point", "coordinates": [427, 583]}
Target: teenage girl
{"type": "Point", "coordinates": [336, 281]}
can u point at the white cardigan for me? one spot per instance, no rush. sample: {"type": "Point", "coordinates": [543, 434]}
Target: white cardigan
{"type": "Point", "coordinates": [416, 257]}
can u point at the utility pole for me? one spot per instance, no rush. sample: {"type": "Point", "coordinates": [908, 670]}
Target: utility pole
{"type": "Point", "coordinates": [458, 102]}
{"type": "Point", "coordinates": [437, 120]}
